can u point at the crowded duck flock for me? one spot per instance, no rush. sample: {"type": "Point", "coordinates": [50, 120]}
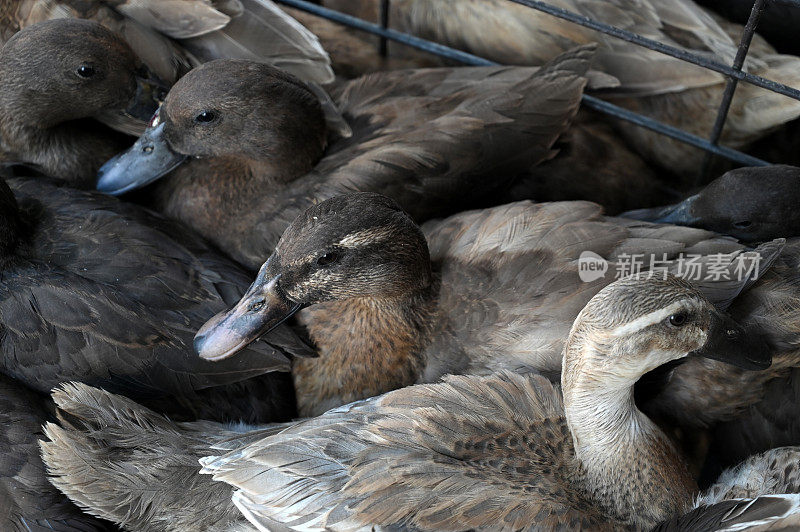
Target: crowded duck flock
{"type": "Point", "coordinates": [257, 273]}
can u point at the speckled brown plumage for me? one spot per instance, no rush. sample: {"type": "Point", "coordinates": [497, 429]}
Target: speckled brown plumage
{"type": "Point", "coordinates": [377, 344]}
{"type": "Point", "coordinates": [472, 452]}
{"type": "Point", "coordinates": [107, 293]}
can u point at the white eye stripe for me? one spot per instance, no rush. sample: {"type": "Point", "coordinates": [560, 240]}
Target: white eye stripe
{"type": "Point", "coordinates": [653, 317]}
{"type": "Point", "coordinates": [366, 237]}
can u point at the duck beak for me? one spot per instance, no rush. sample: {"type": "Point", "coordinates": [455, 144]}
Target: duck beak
{"type": "Point", "coordinates": [150, 93]}
{"type": "Point", "coordinates": [147, 160]}
{"type": "Point", "coordinates": [678, 214]}
{"type": "Point", "coordinates": [729, 342]}
{"type": "Point", "coordinates": [263, 307]}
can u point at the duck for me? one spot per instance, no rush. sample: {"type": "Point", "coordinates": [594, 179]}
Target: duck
{"type": "Point", "coordinates": [754, 112]}
{"type": "Point", "coordinates": [58, 81]}
{"type": "Point", "coordinates": [354, 54]}
{"type": "Point", "coordinates": [173, 37]}
{"type": "Point", "coordinates": [29, 502]}
{"type": "Point", "coordinates": [238, 163]}
{"type": "Point", "coordinates": [104, 292]}
{"type": "Point", "coordinates": [653, 84]}
{"type": "Point", "coordinates": [751, 204]}
{"type": "Point", "coordinates": [504, 451]}
{"type": "Point", "coordinates": [594, 164]}
{"type": "Point", "coordinates": [770, 422]}
{"type": "Point", "coordinates": [388, 304]}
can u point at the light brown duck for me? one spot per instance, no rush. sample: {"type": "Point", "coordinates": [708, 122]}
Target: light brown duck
{"type": "Point", "coordinates": [390, 305]}
{"type": "Point", "coordinates": [498, 452]}
{"type": "Point", "coordinates": [654, 84]}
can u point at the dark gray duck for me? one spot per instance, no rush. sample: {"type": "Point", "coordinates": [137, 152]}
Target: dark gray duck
{"type": "Point", "coordinates": [752, 204]}
{"type": "Point", "coordinates": [104, 292]}
{"type": "Point", "coordinates": [28, 502]}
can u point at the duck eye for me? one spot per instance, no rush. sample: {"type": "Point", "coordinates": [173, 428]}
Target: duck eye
{"type": "Point", "coordinates": [328, 258]}
{"type": "Point", "coordinates": [255, 306]}
{"type": "Point", "coordinates": [85, 71]}
{"type": "Point", "coordinates": [205, 117]}
{"type": "Point", "coordinates": [679, 319]}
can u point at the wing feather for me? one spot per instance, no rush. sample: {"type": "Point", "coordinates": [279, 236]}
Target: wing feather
{"type": "Point", "coordinates": [416, 458]}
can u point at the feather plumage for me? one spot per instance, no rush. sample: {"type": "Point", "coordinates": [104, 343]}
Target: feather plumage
{"type": "Point", "coordinates": [109, 293]}
{"type": "Point", "coordinates": [28, 502]}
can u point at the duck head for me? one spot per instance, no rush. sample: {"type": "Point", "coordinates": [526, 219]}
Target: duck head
{"type": "Point", "coordinates": [751, 204]}
{"type": "Point", "coordinates": [66, 69]}
{"type": "Point", "coordinates": [639, 323]}
{"type": "Point", "coordinates": [355, 246]}
{"type": "Point", "coordinates": [59, 71]}
{"type": "Point", "coordinates": [248, 113]}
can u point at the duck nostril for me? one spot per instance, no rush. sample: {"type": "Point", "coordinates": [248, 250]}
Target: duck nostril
{"type": "Point", "coordinates": [148, 149]}
{"type": "Point", "coordinates": [256, 306]}
{"type": "Point", "coordinates": [743, 224]}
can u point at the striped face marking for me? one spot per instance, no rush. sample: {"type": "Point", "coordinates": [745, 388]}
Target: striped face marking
{"type": "Point", "coordinates": [366, 237]}
{"type": "Point", "coordinates": [652, 318]}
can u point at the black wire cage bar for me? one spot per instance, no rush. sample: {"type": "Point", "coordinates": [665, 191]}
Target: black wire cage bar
{"type": "Point", "coordinates": [733, 72]}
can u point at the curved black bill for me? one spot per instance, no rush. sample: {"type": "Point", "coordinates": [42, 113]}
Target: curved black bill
{"type": "Point", "coordinates": [260, 310]}
{"type": "Point", "coordinates": [147, 160]}
{"type": "Point", "coordinates": [729, 342]}
{"type": "Point", "coordinates": [678, 214]}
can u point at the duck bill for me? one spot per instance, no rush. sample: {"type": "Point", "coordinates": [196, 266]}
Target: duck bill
{"type": "Point", "coordinates": [729, 342]}
{"type": "Point", "coordinates": [146, 161]}
{"type": "Point", "coordinates": [262, 308]}
{"type": "Point", "coordinates": [678, 214]}
{"type": "Point", "coordinates": [148, 96]}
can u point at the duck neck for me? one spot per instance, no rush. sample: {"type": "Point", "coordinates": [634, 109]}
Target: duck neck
{"type": "Point", "coordinates": [367, 346]}
{"type": "Point", "coordinates": [223, 198]}
{"type": "Point", "coordinates": [627, 464]}
{"type": "Point", "coordinates": [71, 151]}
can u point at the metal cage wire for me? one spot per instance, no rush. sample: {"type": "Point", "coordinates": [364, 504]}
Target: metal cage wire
{"type": "Point", "coordinates": [733, 72]}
